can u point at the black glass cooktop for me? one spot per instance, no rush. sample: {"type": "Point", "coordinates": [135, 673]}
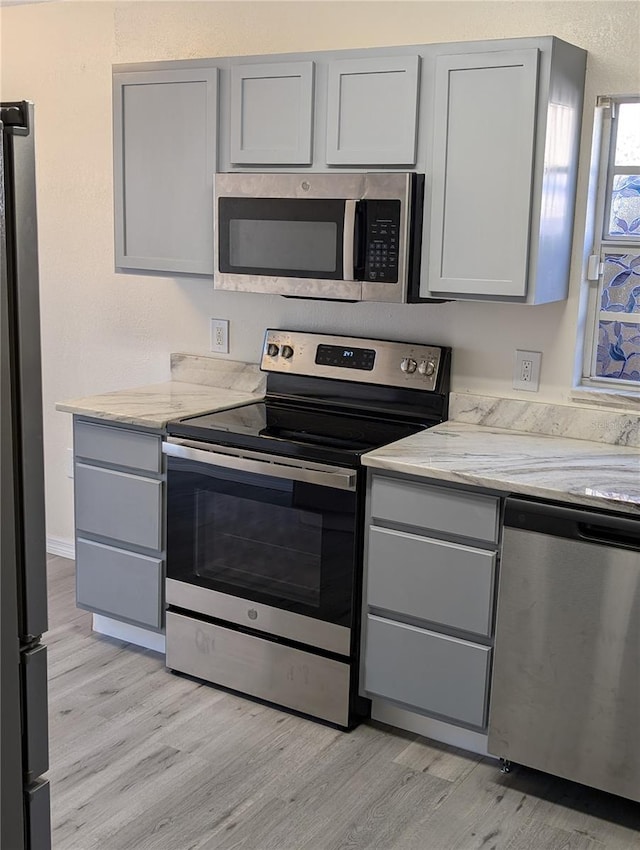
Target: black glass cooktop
{"type": "Point", "coordinates": [296, 430]}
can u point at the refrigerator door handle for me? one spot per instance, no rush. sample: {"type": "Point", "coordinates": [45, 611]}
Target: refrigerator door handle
{"type": "Point", "coordinates": [36, 728]}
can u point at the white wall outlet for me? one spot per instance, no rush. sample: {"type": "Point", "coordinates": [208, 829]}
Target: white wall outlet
{"type": "Point", "coordinates": [69, 463]}
{"type": "Point", "coordinates": [526, 372]}
{"type": "Point", "coordinates": [220, 336]}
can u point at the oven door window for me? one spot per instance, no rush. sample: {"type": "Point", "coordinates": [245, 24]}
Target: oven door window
{"type": "Point", "coordinates": [288, 544]}
{"type": "Point", "coordinates": [281, 237]}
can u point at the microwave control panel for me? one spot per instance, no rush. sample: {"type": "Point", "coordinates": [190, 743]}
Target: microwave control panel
{"type": "Point", "coordinates": [382, 225]}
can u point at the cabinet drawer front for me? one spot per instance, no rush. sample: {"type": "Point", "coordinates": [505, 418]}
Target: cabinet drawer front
{"type": "Point", "coordinates": [437, 508]}
{"type": "Point", "coordinates": [118, 446]}
{"type": "Point", "coordinates": [432, 580]}
{"type": "Point", "coordinates": [435, 673]}
{"type": "Point", "coordinates": [118, 505]}
{"type": "Point", "coordinates": [118, 583]}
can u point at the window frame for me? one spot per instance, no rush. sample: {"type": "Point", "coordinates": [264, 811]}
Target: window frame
{"type": "Point", "coordinates": [599, 242]}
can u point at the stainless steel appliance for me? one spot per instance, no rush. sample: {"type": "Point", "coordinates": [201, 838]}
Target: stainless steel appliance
{"type": "Point", "coordinates": [351, 237]}
{"type": "Point", "coordinates": [265, 517]}
{"type": "Point", "coordinates": [24, 797]}
{"type": "Point", "coordinates": [566, 676]}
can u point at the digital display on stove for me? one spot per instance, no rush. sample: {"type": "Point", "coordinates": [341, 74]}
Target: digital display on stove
{"type": "Point", "coordinates": [348, 358]}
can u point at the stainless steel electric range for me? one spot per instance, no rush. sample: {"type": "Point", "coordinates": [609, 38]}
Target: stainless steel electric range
{"type": "Point", "coordinates": [265, 517]}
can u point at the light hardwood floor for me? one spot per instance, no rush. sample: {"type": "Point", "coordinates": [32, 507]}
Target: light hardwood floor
{"type": "Point", "coordinates": [145, 760]}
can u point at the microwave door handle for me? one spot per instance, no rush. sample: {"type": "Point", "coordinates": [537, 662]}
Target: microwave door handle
{"type": "Point", "coordinates": [348, 240]}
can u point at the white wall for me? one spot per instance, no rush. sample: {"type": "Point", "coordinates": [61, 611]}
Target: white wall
{"type": "Point", "coordinates": [103, 331]}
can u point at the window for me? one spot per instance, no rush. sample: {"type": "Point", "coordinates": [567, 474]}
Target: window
{"type": "Point", "coordinates": [612, 333]}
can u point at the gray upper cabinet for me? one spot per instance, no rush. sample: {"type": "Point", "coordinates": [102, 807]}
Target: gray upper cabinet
{"type": "Point", "coordinates": [164, 162]}
{"type": "Point", "coordinates": [271, 113]}
{"type": "Point", "coordinates": [372, 111]}
{"type": "Point", "coordinates": [506, 129]}
{"type": "Point", "coordinates": [482, 172]}
{"type": "Point", "coordinates": [494, 126]}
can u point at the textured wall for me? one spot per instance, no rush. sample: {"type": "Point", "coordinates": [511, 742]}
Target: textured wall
{"type": "Point", "coordinates": [102, 330]}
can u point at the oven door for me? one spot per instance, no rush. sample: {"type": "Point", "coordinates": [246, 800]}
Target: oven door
{"type": "Point", "coordinates": [266, 542]}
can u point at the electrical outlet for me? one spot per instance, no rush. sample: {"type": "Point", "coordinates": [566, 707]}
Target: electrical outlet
{"type": "Point", "coordinates": [526, 373]}
{"type": "Point", "coordinates": [69, 459]}
{"type": "Point", "coordinates": [220, 336]}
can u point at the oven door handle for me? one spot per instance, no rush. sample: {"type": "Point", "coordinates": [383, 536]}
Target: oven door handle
{"type": "Point", "coordinates": [276, 467]}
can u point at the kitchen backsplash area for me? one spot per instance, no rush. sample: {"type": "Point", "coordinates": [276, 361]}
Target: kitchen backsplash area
{"type": "Point", "coordinates": [214, 372]}
{"type": "Point", "coordinates": [616, 427]}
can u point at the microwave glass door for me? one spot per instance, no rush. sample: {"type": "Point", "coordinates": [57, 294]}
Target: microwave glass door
{"type": "Point", "coordinates": [288, 544]}
{"type": "Point", "coordinates": [281, 237]}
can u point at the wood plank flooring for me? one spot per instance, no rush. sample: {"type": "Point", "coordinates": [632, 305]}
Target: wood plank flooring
{"type": "Point", "coordinates": [145, 760]}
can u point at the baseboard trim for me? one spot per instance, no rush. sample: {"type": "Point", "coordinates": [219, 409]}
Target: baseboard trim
{"type": "Point", "coordinates": [429, 727]}
{"type": "Point", "coordinates": [61, 546]}
{"type": "Point", "coordinates": [129, 633]}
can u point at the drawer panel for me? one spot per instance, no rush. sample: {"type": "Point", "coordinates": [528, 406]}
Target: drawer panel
{"type": "Point", "coordinates": [117, 505]}
{"type": "Point", "coordinates": [121, 584]}
{"type": "Point", "coordinates": [435, 673]}
{"type": "Point", "coordinates": [433, 580]}
{"type": "Point", "coordinates": [118, 446]}
{"type": "Point", "coordinates": [437, 508]}
{"type": "Point", "coordinates": [271, 671]}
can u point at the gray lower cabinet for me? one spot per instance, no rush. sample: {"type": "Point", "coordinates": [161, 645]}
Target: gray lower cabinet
{"type": "Point", "coordinates": [443, 675]}
{"type": "Point", "coordinates": [164, 142]}
{"type": "Point", "coordinates": [446, 583]}
{"type": "Point", "coordinates": [119, 509]}
{"type": "Point", "coordinates": [118, 583]}
{"type": "Point", "coordinates": [429, 601]}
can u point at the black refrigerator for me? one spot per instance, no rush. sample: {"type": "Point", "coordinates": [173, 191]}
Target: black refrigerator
{"type": "Point", "coordinates": [24, 741]}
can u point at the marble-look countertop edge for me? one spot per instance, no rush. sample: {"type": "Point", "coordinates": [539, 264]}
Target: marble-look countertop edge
{"type": "Point", "coordinates": [622, 464]}
{"type": "Point", "coordinates": [505, 487]}
{"type": "Point", "coordinates": [166, 401]}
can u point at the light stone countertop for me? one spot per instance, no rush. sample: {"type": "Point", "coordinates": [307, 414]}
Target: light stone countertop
{"type": "Point", "coordinates": [576, 471]}
{"type": "Point", "coordinates": [153, 406]}
{"type": "Point", "coordinates": [505, 445]}
{"type": "Point", "coordinates": [199, 384]}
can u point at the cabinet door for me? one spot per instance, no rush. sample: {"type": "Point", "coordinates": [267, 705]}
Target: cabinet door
{"type": "Point", "coordinates": [164, 128]}
{"type": "Point", "coordinates": [484, 127]}
{"type": "Point", "coordinates": [272, 113]}
{"type": "Point", "coordinates": [372, 111]}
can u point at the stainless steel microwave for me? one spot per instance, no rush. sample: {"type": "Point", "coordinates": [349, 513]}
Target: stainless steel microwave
{"type": "Point", "coordinates": [346, 236]}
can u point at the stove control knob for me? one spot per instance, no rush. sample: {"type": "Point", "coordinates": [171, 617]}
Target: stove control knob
{"type": "Point", "coordinates": [427, 367]}
{"type": "Point", "coordinates": [408, 365]}
{"type": "Point", "coordinates": [287, 352]}
{"type": "Point", "coordinates": [272, 349]}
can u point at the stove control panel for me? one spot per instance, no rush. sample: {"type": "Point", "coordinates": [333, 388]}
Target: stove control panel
{"type": "Point", "coordinates": [400, 364]}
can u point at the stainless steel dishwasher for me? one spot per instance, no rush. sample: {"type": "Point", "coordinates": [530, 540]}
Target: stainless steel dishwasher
{"type": "Point", "coordinates": [565, 694]}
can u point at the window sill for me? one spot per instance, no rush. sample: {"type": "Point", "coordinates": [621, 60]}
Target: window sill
{"type": "Point", "coordinates": [602, 397]}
